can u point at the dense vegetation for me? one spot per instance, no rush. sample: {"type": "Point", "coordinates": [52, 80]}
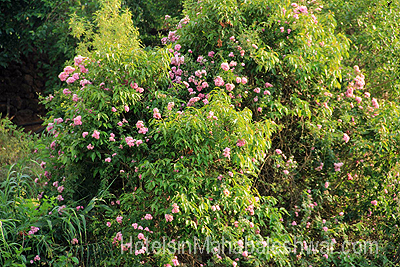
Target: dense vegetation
{"type": "Point", "coordinates": [266, 131]}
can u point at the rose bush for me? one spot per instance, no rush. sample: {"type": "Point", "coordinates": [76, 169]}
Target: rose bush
{"type": "Point", "coordinates": [246, 126]}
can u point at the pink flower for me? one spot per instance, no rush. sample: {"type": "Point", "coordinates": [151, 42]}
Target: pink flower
{"type": "Point", "coordinates": [84, 134]}
{"type": "Point", "coordinates": [326, 184]}
{"type": "Point", "coordinates": [143, 130]}
{"type": "Point", "coordinates": [37, 258]}
{"type": "Point", "coordinates": [171, 104]}
{"type": "Point", "coordinates": [375, 103]}
{"type": "Point", "coordinates": [96, 134]}
{"type": "Point", "coordinates": [259, 109]}
{"type": "Point", "coordinates": [90, 147]}
{"type": "Point", "coordinates": [74, 241]}
{"type": "Point", "coordinates": [113, 109]}
{"type": "Point", "coordinates": [119, 219]}
{"type": "Point", "coordinates": [77, 120]}
{"type": "Point", "coordinates": [75, 98]}
{"type": "Point", "coordinates": [63, 76]}
{"type": "Point", "coordinates": [346, 138]}
{"type": "Point", "coordinates": [325, 228]}
{"type": "Point", "coordinates": [60, 189]}
{"type": "Point", "coordinates": [139, 124]}
{"type": "Point", "coordinates": [227, 152]}
{"type": "Point", "coordinates": [130, 141]}
{"type": "Point", "coordinates": [245, 254]}
{"type": "Point", "coordinates": [244, 80]}
{"type": "Point", "coordinates": [169, 217]}
{"type": "Point", "coordinates": [325, 256]}
{"type": "Point", "coordinates": [126, 108]}
{"type": "Point", "coordinates": [294, 223]}
{"type": "Point", "coordinates": [286, 172]}
{"type": "Point", "coordinates": [219, 81]}
{"type": "Point", "coordinates": [178, 47]}
{"type": "Point", "coordinates": [112, 139]}
{"type": "Point", "coordinates": [175, 261]}
{"type": "Point", "coordinates": [278, 151]}
{"type": "Point", "coordinates": [374, 202]}
{"type": "Point", "coordinates": [238, 79]}
{"type": "Point", "coordinates": [257, 90]}
{"type": "Point", "coordinates": [108, 159]}
{"type": "Point", "coordinates": [66, 91]}
{"type": "Point", "coordinates": [175, 208]}
{"type": "Point", "coordinates": [141, 236]}
{"type": "Point", "coordinates": [229, 87]}
{"type": "Point", "coordinates": [156, 113]}
{"type": "Point", "coordinates": [337, 166]}
{"type": "Point", "coordinates": [241, 142]}
{"type": "Point", "coordinates": [267, 84]}
{"type": "Point", "coordinates": [70, 80]}
{"type": "Point", "coordinates": [148, 217]}
{"type": "Point", "coordinates": [225, 66]}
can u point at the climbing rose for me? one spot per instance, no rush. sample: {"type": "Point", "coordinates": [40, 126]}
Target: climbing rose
{"type": "Point", "coordinates": [77, 120]}
{"type": "Point", "coordinates": [96, 134]}
{"type": "Point", "coordinates": [169, 217]}
{"type": "Point", "coordinates": [225, 66]}
{"type": "Point", "coordinates": [346, 138]}
{"type": "Point", "coordinates": [227, 152]}
{"type": "Point", "coordinates": [219, 81]}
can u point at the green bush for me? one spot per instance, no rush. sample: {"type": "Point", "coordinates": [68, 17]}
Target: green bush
{"type": "Point", "coordinates": [250, 125]}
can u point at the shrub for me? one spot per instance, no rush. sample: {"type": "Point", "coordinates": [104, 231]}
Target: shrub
{"type": "Point", "coordinates": [225, 130]}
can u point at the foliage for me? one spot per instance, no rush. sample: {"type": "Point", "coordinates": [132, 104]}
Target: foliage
{"type": "Point", "coordinates": [252, 124]}
{"type": "Point", "coordinates": [35, 229]}
{"type": "Point", "coordinates": [371, 27]}
{"type": "Point", "coordinates": [16, 146]}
